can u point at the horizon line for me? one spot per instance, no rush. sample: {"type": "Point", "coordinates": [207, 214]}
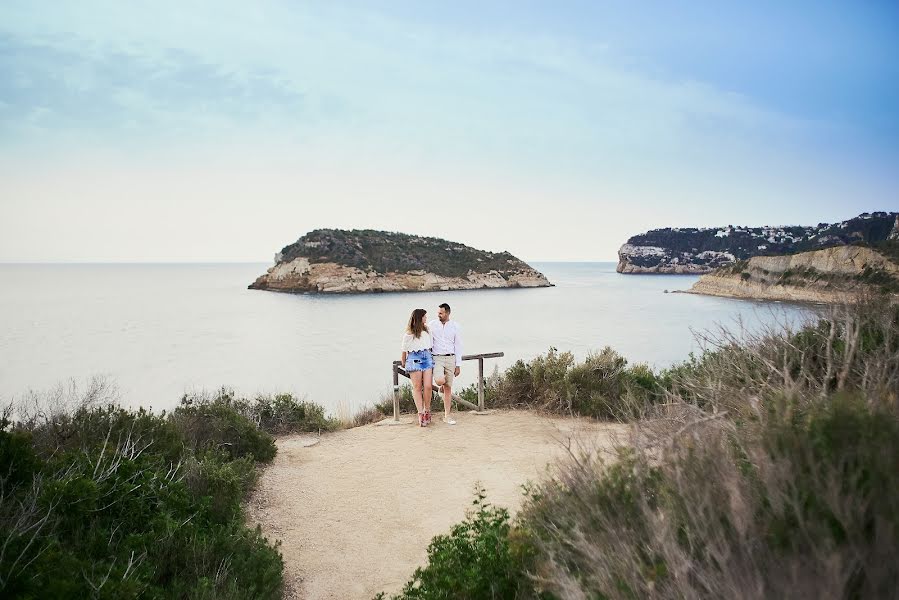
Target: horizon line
{"type": "Point", "coordinates": [221, 262]}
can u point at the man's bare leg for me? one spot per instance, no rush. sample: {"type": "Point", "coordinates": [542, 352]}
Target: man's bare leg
{"type": "Point", "coordinates": [426, 393]}
{"type": "Point", "coordinates": [447, 401]}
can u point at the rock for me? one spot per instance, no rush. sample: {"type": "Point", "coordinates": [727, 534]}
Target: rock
{"type": "Point", "coordinates": [831, 275]}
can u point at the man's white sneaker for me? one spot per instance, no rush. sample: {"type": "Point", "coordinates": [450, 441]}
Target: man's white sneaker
{"type": "Point", "coordinates": [448, 421]}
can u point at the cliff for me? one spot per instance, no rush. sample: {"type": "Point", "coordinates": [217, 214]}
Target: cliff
{"type": "Point", "coordinates": [334, 261]}
{"type": "Point", "coordinates": [702, 250]}
{"type": "Point", "coordinates": [837, 274]}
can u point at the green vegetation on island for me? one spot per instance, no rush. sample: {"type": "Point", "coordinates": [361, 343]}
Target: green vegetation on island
{"type": "Point", "coordinates": [389, 252]}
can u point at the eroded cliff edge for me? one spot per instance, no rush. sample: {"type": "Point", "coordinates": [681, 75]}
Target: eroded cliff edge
{"type": "Point", "coordinates": [333, 261]}
{"type": "Point", "coordinates": [839, 274]}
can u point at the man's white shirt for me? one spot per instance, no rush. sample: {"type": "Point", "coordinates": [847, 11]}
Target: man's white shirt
{"type": "Point", "coordinates": [447, 338]}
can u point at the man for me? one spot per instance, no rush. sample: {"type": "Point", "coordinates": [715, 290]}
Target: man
{"type": "Point", "coordinates": [447, 350]}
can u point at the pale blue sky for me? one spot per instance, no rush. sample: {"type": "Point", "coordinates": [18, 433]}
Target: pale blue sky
{"type": "Point", "coordinates": [198, 131]}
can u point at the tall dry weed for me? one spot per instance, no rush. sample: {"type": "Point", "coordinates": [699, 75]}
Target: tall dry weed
{"type": "Point", "coordinates": [770, 470]}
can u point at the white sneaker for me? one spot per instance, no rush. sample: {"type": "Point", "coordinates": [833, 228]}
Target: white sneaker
{"type": "Point", "coordinates": [449, 421]}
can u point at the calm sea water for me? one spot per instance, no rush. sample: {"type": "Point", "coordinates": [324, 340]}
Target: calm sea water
{"type": "Point", "coordinates": [158, 331]}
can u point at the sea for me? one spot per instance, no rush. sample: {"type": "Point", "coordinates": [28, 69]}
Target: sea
{"type": "Point", "coordinates": [155, 332]}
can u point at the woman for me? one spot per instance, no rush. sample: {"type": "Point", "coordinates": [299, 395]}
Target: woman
{"type": "Point", "coordinates": [419, 363]}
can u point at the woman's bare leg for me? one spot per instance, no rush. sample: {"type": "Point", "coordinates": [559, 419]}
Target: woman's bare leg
{"type": "Point", "coordinates": [415, 377]}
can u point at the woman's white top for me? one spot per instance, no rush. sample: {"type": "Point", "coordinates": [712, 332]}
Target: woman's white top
{"type": "Point", "coordinates": [413, 344]}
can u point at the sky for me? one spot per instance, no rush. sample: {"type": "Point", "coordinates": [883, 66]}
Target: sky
{"type": "Point", "coordinates": [221, 131]}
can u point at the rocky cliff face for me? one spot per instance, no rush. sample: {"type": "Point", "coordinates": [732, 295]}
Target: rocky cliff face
{"type": "Point", "coordinates": [656, 259]}
{"type": "Point", "coordinates": [342, 262]}
{"type": "Point", "coordinates": [832, 275]}
{"type": "Point", "coordinates": [702, 250]}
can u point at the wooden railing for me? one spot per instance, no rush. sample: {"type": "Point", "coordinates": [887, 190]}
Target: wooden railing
{"type": "Point", "coordinates": [398, 370]}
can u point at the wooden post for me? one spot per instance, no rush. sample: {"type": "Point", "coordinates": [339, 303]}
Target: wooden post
{"type": "Point", "coordinates": [396, 394]}
{"type": "Point", "coordinates": [481, 384]}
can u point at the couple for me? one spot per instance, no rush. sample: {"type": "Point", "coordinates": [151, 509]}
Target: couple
{"type": "Point", "coordinates": [432, 353]}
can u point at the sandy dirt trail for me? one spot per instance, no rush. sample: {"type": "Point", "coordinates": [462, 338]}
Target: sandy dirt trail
{"type": "Point", "coordinates": [356, 511]}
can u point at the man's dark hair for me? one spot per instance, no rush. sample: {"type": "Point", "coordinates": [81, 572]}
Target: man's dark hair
{"type": "Point", "coordinates": [445, 307]}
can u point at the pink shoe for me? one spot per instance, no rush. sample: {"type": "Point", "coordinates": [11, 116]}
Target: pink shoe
{"type": "Point", "coordinates": [427, 417]}
{"type": "Point", "coordinates": [421, 420]}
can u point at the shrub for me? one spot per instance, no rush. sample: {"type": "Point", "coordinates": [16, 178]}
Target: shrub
{"type": "Point", "coordinates": [366, 415]}
{"type": "Point", "coordinates": [475, 560]}
{"type": "Point", "coordinates": [92, 427]}
{"type": "Point", "coordinates": [110, 503]}
{"type": "Point", "coordinates": [277, 415]}
{"type": "Point", "coordinates": [283, 413]}
{"type": "Point", "coordinates": [847, 348]}
{"type": "Point", "coordinates": [470, 393]}
{"type": "Point", "coordinates": [221, 482]}
{"type": "Point", "coordinates": [602, 386]}
{"type": "Point", "coordinates": [217, 426]}
{"type": "Point", "coordinates": [407, 402]}
{"type": "Point", "coordinates": [541, 383]}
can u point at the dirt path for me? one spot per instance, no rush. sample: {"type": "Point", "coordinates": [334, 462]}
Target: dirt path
{"type": "Point", "coordinates": [356, 512]}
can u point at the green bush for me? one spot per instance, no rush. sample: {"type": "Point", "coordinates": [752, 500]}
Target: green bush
{"type": "Point", "coordinates": [407, 402]}
{"type": "Point", "coordinates": [110, 503]}
{"type": "Point", "coordinates": [477, 559]}
{"type": "Point", "coordinates": [219, 481]}
{"type": "Point", "coordinates": [470, 393]}
{"type": "Point", "coordinates": [602, 386]}
{"type": "Point", "coordinates": [277, 415]}
{"type": "Point", "coordinates": [95, 426]}
{"type": "Point", "coordinates": [218, 427]}
{"type": "Point", "coordinates": [541, 383]}
{"type": "Point", "coordinates": [283, 413]}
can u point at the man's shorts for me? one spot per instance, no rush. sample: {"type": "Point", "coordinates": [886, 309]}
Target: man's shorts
{"type": "Point", "coordinates": [448, 365]}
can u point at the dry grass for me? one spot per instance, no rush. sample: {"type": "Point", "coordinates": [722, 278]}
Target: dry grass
{"type": "Point", "coordinates": [770, 471]}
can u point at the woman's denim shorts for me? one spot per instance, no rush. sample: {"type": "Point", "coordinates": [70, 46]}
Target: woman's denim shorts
{"type": "Point", "coordinates": [420, 360]}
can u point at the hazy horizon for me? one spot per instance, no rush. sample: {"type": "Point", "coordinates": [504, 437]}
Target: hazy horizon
{"type": "Point", "coordinates": [221, 132]}
{"type": "Point", "coordinates": [271, 261]}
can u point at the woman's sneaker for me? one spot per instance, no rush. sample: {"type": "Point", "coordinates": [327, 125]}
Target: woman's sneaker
{"type": "Point", "coordinates": [421, 420]}
{"type": "Point", "coordinates": [427, 417]}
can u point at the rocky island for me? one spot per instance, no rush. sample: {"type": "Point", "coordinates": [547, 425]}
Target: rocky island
{"type": "Point", "coordinates": [697, 251]}
{"type": "Point", "coordinates": [335, 261]}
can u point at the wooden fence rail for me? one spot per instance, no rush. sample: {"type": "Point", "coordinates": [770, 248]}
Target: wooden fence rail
{"type": "Point", "coordinates": [398, 370]}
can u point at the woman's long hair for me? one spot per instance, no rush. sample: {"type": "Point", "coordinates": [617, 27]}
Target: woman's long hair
{"type": "Point", "coordinates": [417, 322]}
